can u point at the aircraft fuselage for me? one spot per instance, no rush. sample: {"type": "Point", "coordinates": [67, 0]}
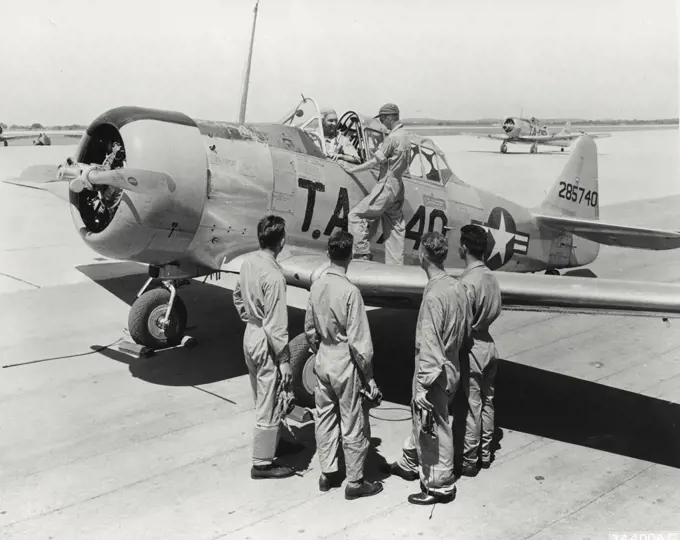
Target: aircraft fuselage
{"type": "Point", "coordinates": [228, 175]}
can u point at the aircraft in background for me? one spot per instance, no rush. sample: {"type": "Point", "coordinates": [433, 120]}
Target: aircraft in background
{"type": "Point", "coordinates": [529, 131]}
{"type": "Point", "coordinates": [184, 196]}
{"type": "Point", "coordinates": [40, 138]}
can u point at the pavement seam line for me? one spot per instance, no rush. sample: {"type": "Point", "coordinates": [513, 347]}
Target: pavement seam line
{"type": "Point", "coordinates": [589, 502]}
{"type": "Point", "coordinates": [109, 492]}
{"type": "Point", "coordinates": [21, 280]}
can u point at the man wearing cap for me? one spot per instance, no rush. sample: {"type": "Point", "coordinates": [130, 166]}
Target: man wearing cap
{"type": "Point", "coordinates": [386, 199]}
{"type": "Point", "coordinates": [479, 358]}
{"type": "Point", "coordinates": [338, 147]}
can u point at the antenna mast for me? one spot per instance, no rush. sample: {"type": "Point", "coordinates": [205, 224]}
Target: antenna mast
{"type": "Point", "coordinates": [246, 81]}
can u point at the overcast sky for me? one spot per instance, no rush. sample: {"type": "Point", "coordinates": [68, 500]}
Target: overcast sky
{"type": "Point", "coordinates": [66, 61]}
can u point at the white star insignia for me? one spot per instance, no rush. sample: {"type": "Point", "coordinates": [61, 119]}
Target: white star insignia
{"type": "Point", "coordinates": [501, 239]}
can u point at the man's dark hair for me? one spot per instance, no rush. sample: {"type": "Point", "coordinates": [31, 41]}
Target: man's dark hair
{"type": "Point", "coordinates": [473, 237]}
{"type": "Point", "coordinates": [270, 231]}
{"type": "Point", "coordinates": [436, 247]}
{"type": "Point", "coordinates": [340, 246]}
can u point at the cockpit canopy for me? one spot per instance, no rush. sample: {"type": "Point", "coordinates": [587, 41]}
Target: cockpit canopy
{"type": "Point", "coordinates": [427, 161]}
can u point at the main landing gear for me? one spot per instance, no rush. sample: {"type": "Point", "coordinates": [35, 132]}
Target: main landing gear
{"type": "Point", "coordinates": [552, 272]}
{"type": "Point", "coordinates": [158, 318]}
{"type": "Point", "coordinates": [504, 148]}
{"type": "Point", "coordinates": [534, 149]}
{"type": "Point", "coordinates": [302, 370]}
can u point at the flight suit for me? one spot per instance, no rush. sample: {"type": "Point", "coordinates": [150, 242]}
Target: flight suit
{"type": "Point", "coordinates": [341, 145]}
{"type": "Point", "coordinates": [260, 299]}
{"type": "Point", "coordinates": [337, 328]}
{"type": "Point", "coordinates": [442, 328]}
{"type": "Point", "coordinates": [481, 359]}
{"type": "Point", "coordinates": [385, 201]}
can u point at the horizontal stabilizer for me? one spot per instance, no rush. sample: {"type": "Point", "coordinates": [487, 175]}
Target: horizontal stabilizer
{"type": "Point", "coordinates": [402, 287]}
{"type": "Point", "coordinates": [613, 235]}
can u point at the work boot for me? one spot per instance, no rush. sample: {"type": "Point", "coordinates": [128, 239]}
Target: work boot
{"type": "Point", "coordinates": [424, 499]}
{"type": "Point", "coordinates": [485, 463]}
{"type": "Point", "coordinates": [468, 469]}
{"type": "Point", "coordinates": [259, 472]}
{"type": "Point", "coordinates": [365, 489]}
{"type": "Point", "coordinates": [396, 470]}
{"type": "Point", "coordinates": [328, 481]}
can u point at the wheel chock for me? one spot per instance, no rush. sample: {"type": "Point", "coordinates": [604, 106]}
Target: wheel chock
{"type": "Point", "coordinates": [188, 342]}
{"type": "Point", "coordinates": [135, 349]}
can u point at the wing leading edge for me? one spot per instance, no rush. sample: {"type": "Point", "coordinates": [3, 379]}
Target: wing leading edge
{"type": "Point", "coordinates": [613, 235]}
{"type": "Point", "coordinates": [402, 287]}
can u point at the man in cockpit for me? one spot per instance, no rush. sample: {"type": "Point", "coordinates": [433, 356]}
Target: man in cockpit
{"type": "Point", "coordinates": [338, 146]}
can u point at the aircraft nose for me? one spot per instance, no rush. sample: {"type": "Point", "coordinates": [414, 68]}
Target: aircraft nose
{"type": "Point", "coordinates": [508, 125]}
{"type": "Point", "coordinates": [145, 201]}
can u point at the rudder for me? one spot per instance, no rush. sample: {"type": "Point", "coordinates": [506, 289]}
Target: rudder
{"type": "Point", "coordinates": [576, 191]}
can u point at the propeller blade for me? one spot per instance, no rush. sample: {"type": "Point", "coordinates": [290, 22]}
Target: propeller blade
{"type": "Point", "coordinates": [135, 180]}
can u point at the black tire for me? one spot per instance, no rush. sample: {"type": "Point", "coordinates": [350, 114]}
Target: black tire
{"type": "Point", "coordinates": [301, 357]}
{"type": "Point", "coordinates": [147, 310]}
{"type": "Point", "coordinates": [4, 143]}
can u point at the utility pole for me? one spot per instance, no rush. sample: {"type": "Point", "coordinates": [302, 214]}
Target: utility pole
{"type": "Point", "coordinates": [246, 81]}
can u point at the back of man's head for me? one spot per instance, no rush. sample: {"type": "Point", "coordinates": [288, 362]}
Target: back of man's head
{"type": "Point", "coordinates": [435, 247]}
{"type": "Point", "coordinates": [473, 237]}
{"type": "Point", "coordinates": [340, 246]}
{"type": "Point", "coordinates": [271, 230]}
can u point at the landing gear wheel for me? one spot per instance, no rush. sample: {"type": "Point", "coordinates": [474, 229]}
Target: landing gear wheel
{"type": "Point", "coordinates": [146, 314]}
{"type": "Point", "coordinates": [302, 369]}
{"type": "Point", "coordinates": [4, 143]}
{"type": "Point", "coordinates": [534, 149]}
{"type": "Point", "coordinates": [552, 272]}
{"type": "Point", "coordinates": [562, 149]}
{"type": "Point", "coordinates": [504, 148]}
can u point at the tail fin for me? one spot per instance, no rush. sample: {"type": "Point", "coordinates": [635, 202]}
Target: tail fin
{"type": "Point", "coordinates": [576, 192]}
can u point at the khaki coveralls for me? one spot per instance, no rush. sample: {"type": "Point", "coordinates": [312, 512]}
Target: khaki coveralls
{"type": "Point", "coordinates": [385, 201]}
{"type": "Point", "coordinates": [443, 326]}
{"type": "Point", "coordinates": [336, 325]}
{"type": "Point", "coordinates": [484, 295]}
{"type": "Point", "coordinates": [260, 299]}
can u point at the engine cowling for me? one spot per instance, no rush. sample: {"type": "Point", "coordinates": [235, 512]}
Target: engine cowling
{"type": "Point", "coordinates": [154, 227]}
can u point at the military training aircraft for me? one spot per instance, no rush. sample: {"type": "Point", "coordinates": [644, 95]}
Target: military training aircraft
{"type": "Point", "coordinates": [184, 197]}
{"type": "Point", "coordinates": [41, 138]}
{"type": "Point", "coordinates": [529, 131]}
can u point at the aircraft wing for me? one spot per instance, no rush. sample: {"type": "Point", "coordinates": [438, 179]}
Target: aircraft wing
{"type": "Point", "coordinates": [402, 287]}
{"type": "Point", "coordinates": [44, 178]}
{"type": "Point", "coordinates": [613, 235]}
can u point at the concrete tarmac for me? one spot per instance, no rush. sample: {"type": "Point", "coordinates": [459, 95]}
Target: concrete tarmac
{"type": "Point", "coordinates": [95, 444]}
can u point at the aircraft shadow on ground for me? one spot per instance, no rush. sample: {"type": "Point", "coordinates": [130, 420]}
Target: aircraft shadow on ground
{"type": "Point", "coordinates": [528, 399]}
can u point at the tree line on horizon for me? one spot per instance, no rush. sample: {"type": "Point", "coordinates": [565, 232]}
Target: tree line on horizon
{"type": "Point", "coordinates": [38, 126]}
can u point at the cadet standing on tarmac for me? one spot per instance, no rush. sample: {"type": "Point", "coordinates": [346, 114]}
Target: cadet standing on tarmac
{"type": "Point", "coordinates": [260, 299]}
{"type": "Point", "coordinates": [386, 199]}
{"type": "Point", "coordinates": [337, 329]}
{"type": "Point", "coordinates": [443, 326]}
{"type": "Point", "coordinates": [479, 357]}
